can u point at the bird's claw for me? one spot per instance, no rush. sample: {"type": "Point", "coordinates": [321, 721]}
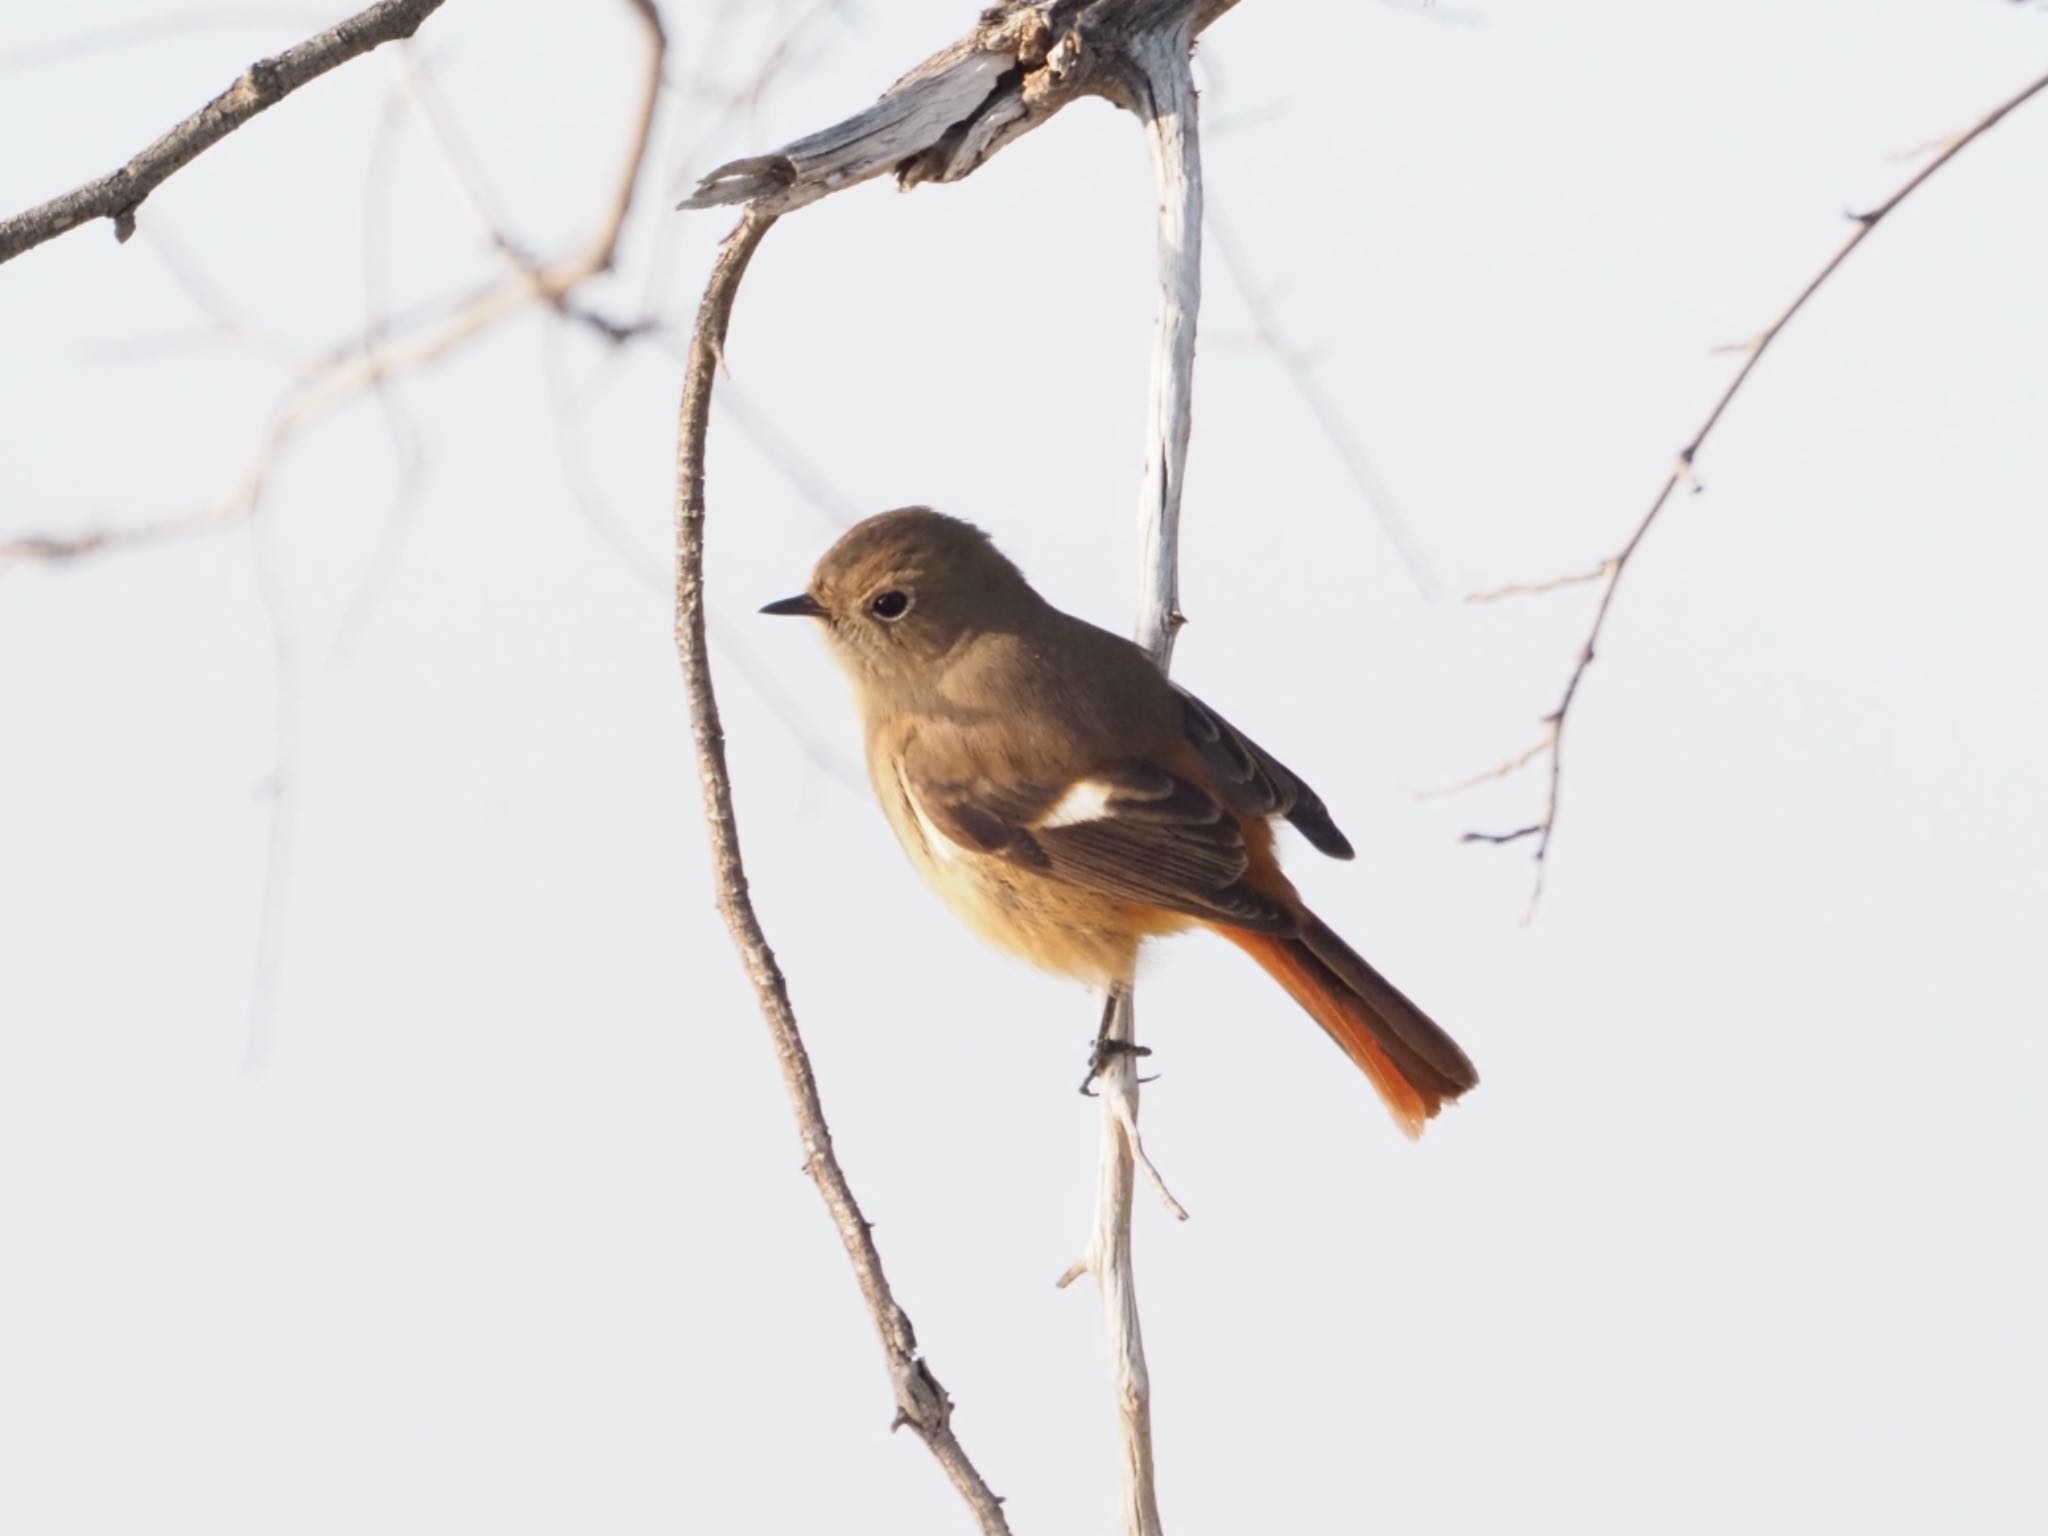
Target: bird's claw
{"type": "Point", "coordinates": [1106, 1049]}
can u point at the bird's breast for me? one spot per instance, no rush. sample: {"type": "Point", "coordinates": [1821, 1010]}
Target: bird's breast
{"type": "Point", "coordinates": [1059, 927]}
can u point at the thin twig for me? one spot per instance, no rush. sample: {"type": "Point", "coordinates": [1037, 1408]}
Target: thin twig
{"type": "Point", "coordinates": [281, 790]}
{"type": "Point", "coordinates": [262, 85]}
{"type": "Point", "coordinates": [1584, 578]}
{"type": "Point", "coordinates": [1500, 770]}
{"type": "Point", "coordinates": [382, 351]}
{"type": "Point", "coordinates": [369, 359]}
{"type": "Point", "coordinates": [206, 297]}
{"type": "Point", "coordinates": [1300, 370]}
{"type": "Point", "coordinates": [921, 1402]}
{"type": "Point", "coordinates": [1609, 572]}
{"type": "Point", "coordinates": [408, 454]}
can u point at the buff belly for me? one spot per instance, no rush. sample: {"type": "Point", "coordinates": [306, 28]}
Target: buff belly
{"type": "Point", "coordinates": [1059, 927]}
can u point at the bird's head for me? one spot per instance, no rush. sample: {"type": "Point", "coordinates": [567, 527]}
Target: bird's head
{"type": "Point", "coordinates": [901, 590]}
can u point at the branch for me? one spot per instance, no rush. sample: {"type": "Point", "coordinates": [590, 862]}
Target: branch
{"type": "Point", "coordinates": [1608, 573]}
{"type": "Point", "coordinates": [1297, 365]}
{"type": "Point", "coordinates": [262, 85]}
{"type": "Point", "coordinates": [1165, 100]}
{"type": "Point", "coordinates": [921, 1402]}
{"type": "Point", "coordinates": [1023, 61]}
{"type": "Point", "coordinates": [364, 365]}
{"type": "Point", "coordinates": [379, 354]}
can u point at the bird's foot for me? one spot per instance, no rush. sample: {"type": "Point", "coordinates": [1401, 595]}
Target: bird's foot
{"type": "Point", "coordinates": [1106, 1050]}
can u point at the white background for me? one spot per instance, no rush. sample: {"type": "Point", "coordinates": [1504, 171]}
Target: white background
{"type": "Point", "coordinates": [1743, 1230]}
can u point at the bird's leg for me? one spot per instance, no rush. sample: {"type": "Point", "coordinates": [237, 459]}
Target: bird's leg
{"type": "Point", "coordinates": [1107, 1045]}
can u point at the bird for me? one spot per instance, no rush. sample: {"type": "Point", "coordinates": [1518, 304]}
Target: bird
{"type": "Point", "coordinates": [1068, 802]}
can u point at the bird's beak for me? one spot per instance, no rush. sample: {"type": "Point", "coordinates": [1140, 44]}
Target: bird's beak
{"type": "Point", "coordinates": [803, 604]}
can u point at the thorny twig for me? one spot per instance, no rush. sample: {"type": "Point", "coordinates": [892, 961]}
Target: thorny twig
{"type": "Point", "coordinates": [1549, 744]}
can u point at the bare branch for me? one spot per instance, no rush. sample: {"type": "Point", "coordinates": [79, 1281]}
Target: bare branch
{"type": "Point", "coordinates": [1164, 99]}
{"type": "Point", "coordinates": [382, 351]}
{"type": "Point", "coordinates": [282, 790]}
{"type": "Point", "coordinates": [1610, 571]}
{"type": "Point", "coordinates": [1500, 770]}
{"type": "Point", "coordinates": [1020, 65]}
{"type": "Point", "coordinates": [1548, 584]}
{"type": "Point", "coordinates": [376, 356]}
{"type": "Point", "coordinates": [1300, 371]}
{"type": "Point", "coordinates": [1022, 62]}
{"type": "Point", "coordinates": [921, 1403]}
{"type": "Point", "coordinates": [262, 85]}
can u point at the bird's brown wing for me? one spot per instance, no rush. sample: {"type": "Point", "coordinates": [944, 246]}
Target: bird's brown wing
{"type": "Point", "coordinates": [1138, 832]}
{"type": "Point", "coordinates": [1252, 780]}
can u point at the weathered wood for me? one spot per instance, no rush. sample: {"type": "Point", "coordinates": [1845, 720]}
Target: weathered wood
{"type": "Point", "coordinates": [1021, 63]}
{"type": "Point", "coordinates": [1165, 103]}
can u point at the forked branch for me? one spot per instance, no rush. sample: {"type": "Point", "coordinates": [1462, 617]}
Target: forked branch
{"type": "Point", "coordinates": [1549, 744]}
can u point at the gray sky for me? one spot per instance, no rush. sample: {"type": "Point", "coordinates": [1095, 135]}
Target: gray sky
{"type": "Point", "coordinates": [1742, 1229]}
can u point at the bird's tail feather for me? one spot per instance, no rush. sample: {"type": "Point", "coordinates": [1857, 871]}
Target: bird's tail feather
{"type": "Point", "coordinates": [1415, 1066]}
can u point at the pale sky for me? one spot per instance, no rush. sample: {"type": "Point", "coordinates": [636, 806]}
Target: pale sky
{"type": "Point", "coordinates": [1741, 1231]}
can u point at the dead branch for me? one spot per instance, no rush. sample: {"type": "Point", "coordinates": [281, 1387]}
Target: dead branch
{"type": "Point", "coordinates": [1165, 103]}
{"type": "Point", "coordinates": [261, 86]}
{"type": "Point", "coordinates": [921, 1403]}
{"type": "Point", "coordinates": [1608, 573]}
{"type": "Point", "coordinates": [1023, 61]}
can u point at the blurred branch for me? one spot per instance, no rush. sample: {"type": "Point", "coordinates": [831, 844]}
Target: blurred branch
{"type": "Point", "coordinates": [1300, 371]}
{"type": "Point", "coordinates": [395, 348]}
{"type": "Point", "coordinates": [408, 451]}
{"type": "Point", "coordinates": [281, 789]}
{"type": "Point", "coordinates": [656, 577]}
{"type": "Point", "coordinates": [1549, 744]}
{"type": "Point", "coordinates": [382, 351]}
{"type": "Point", "coordinates": [921, 1403]}
{"type": "Point", "coordinates": [151, 29]}
{"type": "Point", "coordinates": [262, 85]}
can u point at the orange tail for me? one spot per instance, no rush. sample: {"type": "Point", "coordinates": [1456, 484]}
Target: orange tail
{"type": "Point", "coordinates": [1415, 1066]}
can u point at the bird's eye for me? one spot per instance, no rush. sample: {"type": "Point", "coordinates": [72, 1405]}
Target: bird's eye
{"type": "Point", "coordinates": [890, 605]}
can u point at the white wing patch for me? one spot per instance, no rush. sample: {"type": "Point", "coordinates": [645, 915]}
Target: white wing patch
{"type": "Point", "coordinates": [936, 842]}
{"type": "Point", "coordinates": [1086, 800]}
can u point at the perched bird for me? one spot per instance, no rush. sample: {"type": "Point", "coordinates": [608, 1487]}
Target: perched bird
{"type": "Point", "coordinates": [1068, 802]}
